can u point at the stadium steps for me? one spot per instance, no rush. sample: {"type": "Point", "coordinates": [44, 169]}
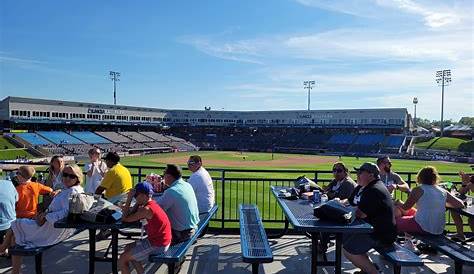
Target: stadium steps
{"type": "Point", "coordinates": [19, 142]}
{"type": "Point", "coordinates": [434, 142]}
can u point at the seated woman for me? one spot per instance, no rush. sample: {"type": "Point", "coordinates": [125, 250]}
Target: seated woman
{"type": "Point", "coordinates": [342, 185]}
{"type": "Point", "coordinates": [28, 192]}
{"type": "Point", "coordinates": [467, 185]}
{"type": "Point", "coordinates": [41, 230]}
{"type": "Point", "coordinates": [431, 201]}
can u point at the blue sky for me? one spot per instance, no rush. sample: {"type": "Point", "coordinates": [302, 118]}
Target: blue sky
{"type": "Point", "coordinates": [241, 55]}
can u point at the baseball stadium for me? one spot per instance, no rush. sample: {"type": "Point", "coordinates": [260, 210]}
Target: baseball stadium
{"type": "Point", "coordinates": [247, 153]}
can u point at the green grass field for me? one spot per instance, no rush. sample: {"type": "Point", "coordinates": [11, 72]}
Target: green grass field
{"type": "Point", "coordinates": [10, 154]}
{"type": "Point", "coordinates": [263, 166]}
{"type": "Point", "coordinates": [444, 143]}
{"type": "Point", "coordinates": [263, 161]}
{"type": "Point", "coordinates": [5, 144]}
{"type": "Point", "coordinates": [8, 151]}
{"type": "Point", "coordinates": [249, 175]}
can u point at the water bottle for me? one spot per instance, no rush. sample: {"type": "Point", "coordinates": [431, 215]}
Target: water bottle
{"type": "Point", "coordinates": [316, 197]}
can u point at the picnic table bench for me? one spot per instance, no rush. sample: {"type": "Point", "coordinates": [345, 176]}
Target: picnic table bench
{"type": "Point", "coordinates": [19, 250]}
{"type": "Point", "coordinates": [175, 254]}
{"type": "Point", "coordinates": [253, 239]}
{"type": "Point", "coordinates": [399, 256]}
{"type": "Point", "coordinates": [459, 253]}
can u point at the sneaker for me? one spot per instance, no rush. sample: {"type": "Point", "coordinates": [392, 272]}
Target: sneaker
{"type": "Point", "coordinates": [426, 249]}
{"type": "Point", "coordinates": [408, 244]}
{"type": "Point", "coordinates": [458, 238]}
{"type": "Point", "coordinates": [363, 272]}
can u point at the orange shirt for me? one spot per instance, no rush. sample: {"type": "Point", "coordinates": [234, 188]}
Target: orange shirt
{"type": "Point", "coordinates": [28, 195]}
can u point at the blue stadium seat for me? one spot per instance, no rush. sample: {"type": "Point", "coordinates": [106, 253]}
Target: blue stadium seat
{"type": "Point", "coordinates": [394, 141]}
{"type": "Point", "coordinates": [90, 137]}
{"type": "Point", "coordinates": [59, 137]}
{"type": "Point", "coordinates": [342, 139]}
{"type": "Point", "coordinates": [33, 139]}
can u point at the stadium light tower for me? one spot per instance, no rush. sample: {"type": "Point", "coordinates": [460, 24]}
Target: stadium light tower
{"type": "Point", "coordinates": [309, 85]}
{"type": "Point", "coordinates": [443, 78]}
{"type": "Point", "coordinates": [415, 101]}
{"type": "Point", "coordinates": [115, 76]}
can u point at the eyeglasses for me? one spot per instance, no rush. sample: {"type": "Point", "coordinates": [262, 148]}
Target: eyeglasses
{"type": "Point", "coordinates": [337, 170]}
{"type": "Point", "coordinates": [190, 163]}
{"type": "Point", "coordinates": [70, 176]}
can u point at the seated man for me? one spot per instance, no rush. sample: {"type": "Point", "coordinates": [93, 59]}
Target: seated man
{"type": "Point", "coordinates": [202, 184]}
{"type": "Point", "coordinates": [342, 185]}
{"type": "Point", "coordinates": [180, 204]}
{"type": "Point", "coordinates": [157, 226]}
{"type": "Point", "coordinates": [375, 206]}
{"type": "Point", "coordinates": [116, 183]}
{"type": "Point", "coordinates": [117, 180]}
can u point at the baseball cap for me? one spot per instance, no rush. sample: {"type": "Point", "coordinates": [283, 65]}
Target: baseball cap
{"type": "Point", "coordinates": [144, 187]}
{"type": "Point", "coordinates": [370, 168]}
{"type": "Point", "coordinates": [112, 156]}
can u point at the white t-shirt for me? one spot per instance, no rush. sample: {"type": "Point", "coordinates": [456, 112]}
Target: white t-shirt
{"type": "Point", "coordinates": [203, 187]}
{"type": "Point", "coordinates": [58, 182]}
{"type": "Point", "coordinates": [93, 181]}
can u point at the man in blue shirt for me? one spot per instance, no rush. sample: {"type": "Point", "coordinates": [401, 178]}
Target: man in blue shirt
{"type": "Point", "coordinates": [8, 198]}
{"type": "Point", "coordinates": [180, 204]}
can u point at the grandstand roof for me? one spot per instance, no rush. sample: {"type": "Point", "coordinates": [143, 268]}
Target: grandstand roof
{"type": "Point", "coordinates": [458, 128]}
{"type": "Point", "coordinates": [14, 99]}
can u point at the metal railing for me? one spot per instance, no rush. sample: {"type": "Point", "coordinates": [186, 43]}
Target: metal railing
{"type": "Point", "coordinates": [253, 186]}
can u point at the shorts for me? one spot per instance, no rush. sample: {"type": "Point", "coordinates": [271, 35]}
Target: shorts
{"type": "Point", "coordinates": [2, 235]}
{"type": "Point", "coordinates": [408, 224]}
{"type": "Point", "coordinates": [358, 244]}
{"type": "Point", "coordinates": [143, 249]}
{"type": "Point", "coordinates": [181, 236]}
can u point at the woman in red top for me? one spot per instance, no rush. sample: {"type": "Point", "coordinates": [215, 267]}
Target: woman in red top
{"type": "Point", "coordinates": [157, 226]}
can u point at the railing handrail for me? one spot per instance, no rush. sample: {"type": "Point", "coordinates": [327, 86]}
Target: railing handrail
{"type": "Point", "coordinates": [240, 170]}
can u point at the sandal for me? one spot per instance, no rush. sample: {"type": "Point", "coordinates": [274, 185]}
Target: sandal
{"type": "Point", "coordinates": [458, 238]}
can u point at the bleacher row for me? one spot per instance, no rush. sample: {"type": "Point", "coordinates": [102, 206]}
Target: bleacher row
{"type": "Point", "coordinates": [261, 140]}
{"type": "Point", "coordinates": [79, 142]}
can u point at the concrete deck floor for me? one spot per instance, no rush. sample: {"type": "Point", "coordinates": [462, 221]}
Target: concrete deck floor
{"type": "Point", "coordinates": [217, 254]}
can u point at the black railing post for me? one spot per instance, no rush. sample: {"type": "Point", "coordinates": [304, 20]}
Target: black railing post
{"type": "Point", "coordinates": [222, 199]}
{"type": "Point", "coordinates": [316, 176]}
{"type": "Point", "coordinates": [139, 174]}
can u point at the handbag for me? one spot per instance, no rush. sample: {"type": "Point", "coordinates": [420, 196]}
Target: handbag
{"type": "Point", "coordinates": [334, 211]}
{"type": "Point", "coordinates": [103, 212]}
{"type": "Point", "coordinates": [80, 203]}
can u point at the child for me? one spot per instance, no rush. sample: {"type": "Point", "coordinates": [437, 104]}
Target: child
{"type": "Point", "coordinates": [157, 226]}
{"type": "Point", "coordinates": [29, 192]}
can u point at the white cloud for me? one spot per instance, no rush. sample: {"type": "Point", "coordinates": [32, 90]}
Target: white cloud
{"type": "Point", "coordinates": [435, 14]}
{"type": "Point", "coordinates": [433, 17]}
{"type": "Point", "coordinates": [19, 62]}
{"type": "Point", "coordinates": [240, 51]}
{"type": "Point", "coordinates": [371, 66]}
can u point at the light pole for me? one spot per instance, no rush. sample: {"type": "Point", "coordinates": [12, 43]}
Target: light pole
{"type": "Point", "coordinates": [415, 101]}
{"type": "Point", "coordinates": [443, 78]}
{"type": "Point", "coordinates": [115, 76]}
{"type": "Point", "coordinates": [309, 85]}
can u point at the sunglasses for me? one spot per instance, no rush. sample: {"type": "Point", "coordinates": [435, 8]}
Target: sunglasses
{"type": "Point", "coordinates": [337, 170]}
{"type": "Point", "coordinates": [70, 176]}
